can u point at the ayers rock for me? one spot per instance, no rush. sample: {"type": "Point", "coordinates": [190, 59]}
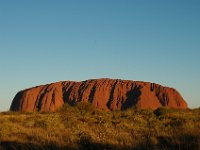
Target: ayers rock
{"type": "Point", "coordinates": [107, 94]}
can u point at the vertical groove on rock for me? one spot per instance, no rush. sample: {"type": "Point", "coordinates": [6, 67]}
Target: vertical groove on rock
{"type": "Point", "coordinates": [81, 91]}
{"type": "Point", "coordinates": [40, 99]}
{"type": "Point", "coordinates": [111, 98]}
{"type": "Point", "coordinates": [67, 91]}
{"type": "Point", "coordinates": [52, 99]}
{"type": "Point", "coordinates": [132, 97]}
{"type": "Point", "coordinates": [152, 87]}
{"type": "Point", "coordinates": [37, 102]}
{"type": "Point", "coordinates": [92, 92]}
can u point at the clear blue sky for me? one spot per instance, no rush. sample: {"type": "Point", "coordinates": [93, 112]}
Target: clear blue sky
{"type": "Point", "coordinates": [43, 41]}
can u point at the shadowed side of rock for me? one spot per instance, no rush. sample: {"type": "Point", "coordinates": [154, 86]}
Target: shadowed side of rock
{"type": "Point", "coordinates": [106, 94]}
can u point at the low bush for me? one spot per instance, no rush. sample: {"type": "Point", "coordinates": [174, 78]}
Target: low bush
{"type": "Point", "coordinates": [163, 111]}
{"type": "Point", "coordinates": [84, 127]}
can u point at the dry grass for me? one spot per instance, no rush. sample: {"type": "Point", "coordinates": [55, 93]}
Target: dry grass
{"type": "Point", "coordinates": [83, 127]}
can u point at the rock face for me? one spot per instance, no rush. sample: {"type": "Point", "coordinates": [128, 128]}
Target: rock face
{"type": "Point", "coordinates": [107, 94]}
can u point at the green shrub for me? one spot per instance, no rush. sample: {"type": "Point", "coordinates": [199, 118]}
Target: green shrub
{"type": "Point", "coordinates": [84, 107]}
{"type": "Point", "coordinates": [163, 111]}
{"type": "Point", "coordinates": [40, 124]}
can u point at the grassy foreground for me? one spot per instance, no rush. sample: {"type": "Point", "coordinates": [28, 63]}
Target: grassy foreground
{"type": "Point", "coordinates": [83, 127]}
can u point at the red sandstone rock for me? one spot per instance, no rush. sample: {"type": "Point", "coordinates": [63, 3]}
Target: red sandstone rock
{"type": "Point", "coordinates": [107, 94]}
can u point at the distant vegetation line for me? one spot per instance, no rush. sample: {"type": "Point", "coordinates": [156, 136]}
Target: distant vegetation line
{"type": "Point", "coordinates": [85, 127]}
